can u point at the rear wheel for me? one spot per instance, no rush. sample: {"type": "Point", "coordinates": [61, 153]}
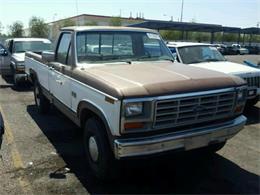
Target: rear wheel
{"type": "Point", "coordinates": [42, 103]}
{"type": "Point", "coordinates": [16, 83]}
{"type": "Point", "coordinates": [14, 77]}
{"type": "Point", "coordinates": [99, 155]}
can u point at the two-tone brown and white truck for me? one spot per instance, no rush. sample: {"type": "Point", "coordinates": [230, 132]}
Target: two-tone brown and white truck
{"type": "Point", "coordinates": [121, 86]}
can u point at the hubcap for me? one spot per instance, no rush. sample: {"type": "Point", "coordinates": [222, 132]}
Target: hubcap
{"type": "Point", "coordinates": [37, 96]}
{"type": "Point", "coordinates": [93, 148]}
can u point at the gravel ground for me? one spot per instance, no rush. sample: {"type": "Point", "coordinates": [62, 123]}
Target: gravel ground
{"type": "Point", "coordinates": [43, 154]}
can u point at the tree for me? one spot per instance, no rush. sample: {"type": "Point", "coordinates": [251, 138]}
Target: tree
{"type": "Point", "coordinates": [171, 35]}
{"type": "Point", "coordinates": [1, 28]}
{"type": "Point", "coordinates": [38, 28]}
{"type": "Point", "coordinates": [115, 21]}
{"type": "Point", "coordinates": [67, 22]}
{"type": "Point", "coordinates": [16, 29]}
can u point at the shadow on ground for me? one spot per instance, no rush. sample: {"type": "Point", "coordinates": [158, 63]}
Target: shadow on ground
{"type": "Point", "coordinates": [253, 115]}
{"type": "Point", "coordinates": [181, 173]}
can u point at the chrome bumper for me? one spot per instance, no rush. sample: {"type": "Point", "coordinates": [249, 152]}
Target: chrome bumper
{"type": "Point", "coordinates": [187, 140]}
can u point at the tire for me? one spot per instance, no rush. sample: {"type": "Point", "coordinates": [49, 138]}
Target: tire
{"type": "Point", "coordinates": [13, 76]}
{"type": "Point", "coordinates": [16, 83]}
{"type": "Point", "coordinates": [100, 158]}
{"type": "Point", "coordinates": [252, 102]}
{"type": "Point", "coordinates": [42, 103]}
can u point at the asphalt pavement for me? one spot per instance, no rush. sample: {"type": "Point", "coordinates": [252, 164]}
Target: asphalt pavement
{"type": "Point", "coordinates": [43, 154]}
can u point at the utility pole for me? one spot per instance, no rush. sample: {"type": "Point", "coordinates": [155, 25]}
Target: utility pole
{"type": "Point", "coordinates": [182, 9]}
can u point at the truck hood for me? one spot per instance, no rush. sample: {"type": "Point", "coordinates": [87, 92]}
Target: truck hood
{"type": "Point", "coordinates": [153, 79]}
{"type": "Point", "coordinates": [227, 67]}
{"type": "Point", "coordinates": [19, 57]}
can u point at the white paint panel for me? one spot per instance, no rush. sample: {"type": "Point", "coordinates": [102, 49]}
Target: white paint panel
{"type": "Point", "coordinates": [109, 110]}
{"type": "Point", "coordinates": [83, 93]}
{"type": "Point", "coordinates": [41, 69]}
{"type": "Point", "coordinates": [60, 87]}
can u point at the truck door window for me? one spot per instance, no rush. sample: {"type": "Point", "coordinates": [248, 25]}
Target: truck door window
{"type": "Point", "coordinates": [63, 48]}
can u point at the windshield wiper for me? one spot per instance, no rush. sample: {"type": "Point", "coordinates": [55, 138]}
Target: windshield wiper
{"type": "Point", "coordinates": [143, 57]}
{"type": "Point", "coordinates": [154, 58]}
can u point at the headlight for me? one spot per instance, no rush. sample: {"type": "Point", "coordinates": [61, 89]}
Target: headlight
{"type": "Point", "coordinates": [240, 95]}
{"type": "Point", "coordinates": [133, 109]}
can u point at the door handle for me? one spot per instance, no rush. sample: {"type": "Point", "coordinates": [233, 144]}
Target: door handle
{"type": "Point", "coordinates": [59, 81]}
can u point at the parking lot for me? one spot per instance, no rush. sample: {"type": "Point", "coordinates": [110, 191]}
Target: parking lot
{"type": "Point", "coordinates": [44, 154]}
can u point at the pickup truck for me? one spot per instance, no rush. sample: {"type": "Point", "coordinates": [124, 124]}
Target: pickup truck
{"type": "Point", "coordinates": [206, 56]}
{"type": "Point", "coordinates": [12, 56]}
{"type": "Point", "coordinates": [120, 85]}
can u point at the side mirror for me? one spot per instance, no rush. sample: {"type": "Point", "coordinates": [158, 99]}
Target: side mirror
{"type": "Point", "coordinates": [48, 56]}
{"type": "Point", "coordinates": [3, 52]}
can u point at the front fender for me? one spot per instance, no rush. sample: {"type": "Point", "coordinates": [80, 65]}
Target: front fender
{"type": "Point", "coordinates": [84, 104]}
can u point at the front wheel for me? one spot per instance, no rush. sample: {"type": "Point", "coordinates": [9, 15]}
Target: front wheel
{"type": "Point", "coordinates": [42, 103]}
{"type": "Point", "coordinates": [99, 155]}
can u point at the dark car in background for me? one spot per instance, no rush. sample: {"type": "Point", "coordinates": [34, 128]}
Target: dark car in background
{"type": "Point", "coordinates": [221, 48]}
{"type": "Point", "coordinates": [1, 129]}
{"type": "Point", "coordinates": [253, 49]}
{"type": "Point", "coordinates": [230, 51]}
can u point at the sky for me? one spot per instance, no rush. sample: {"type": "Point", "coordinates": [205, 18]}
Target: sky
{"type": "Point", "coordinates": [236, 13]}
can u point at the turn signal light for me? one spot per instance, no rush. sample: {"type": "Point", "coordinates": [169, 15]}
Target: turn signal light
{"type": "Point", "coordinates": [239, 109]}
{"type": "Point", "coordinates": [135, 125]}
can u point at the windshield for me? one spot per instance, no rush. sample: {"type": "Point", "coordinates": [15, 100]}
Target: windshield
{"type": "Point", "coordinates": [198, 54]}
{"type": "Point", "coordinates": [93, 47]}
{"type": "Point", "coordinates": [35, 46]}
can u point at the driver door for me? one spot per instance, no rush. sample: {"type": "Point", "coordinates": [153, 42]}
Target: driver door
{"type": "Point", "coordinates": [5, 59]}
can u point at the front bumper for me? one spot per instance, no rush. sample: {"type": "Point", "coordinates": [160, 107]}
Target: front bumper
{"type": "Point", "coordinates": [186, 140]}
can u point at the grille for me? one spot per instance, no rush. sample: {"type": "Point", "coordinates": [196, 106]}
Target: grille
{"type": "Point", "coordinates": [192, 110]}
{"type": "Point", "coordinates": [253, 81]}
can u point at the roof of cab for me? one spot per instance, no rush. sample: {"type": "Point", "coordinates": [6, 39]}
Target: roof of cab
{"type": "Point", "coordinates": [184, 44]}
{"type": "Point", "coordinates": [106, 28]}
{"type": "Point", "coordinates": [30, 39]}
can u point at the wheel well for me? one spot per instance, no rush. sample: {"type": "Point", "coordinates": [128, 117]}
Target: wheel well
{"type": "Point", "coordinates": [85, 114]}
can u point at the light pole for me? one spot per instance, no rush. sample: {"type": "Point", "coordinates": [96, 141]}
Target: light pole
{"type": "Point", "coordinates": [182, 9]}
